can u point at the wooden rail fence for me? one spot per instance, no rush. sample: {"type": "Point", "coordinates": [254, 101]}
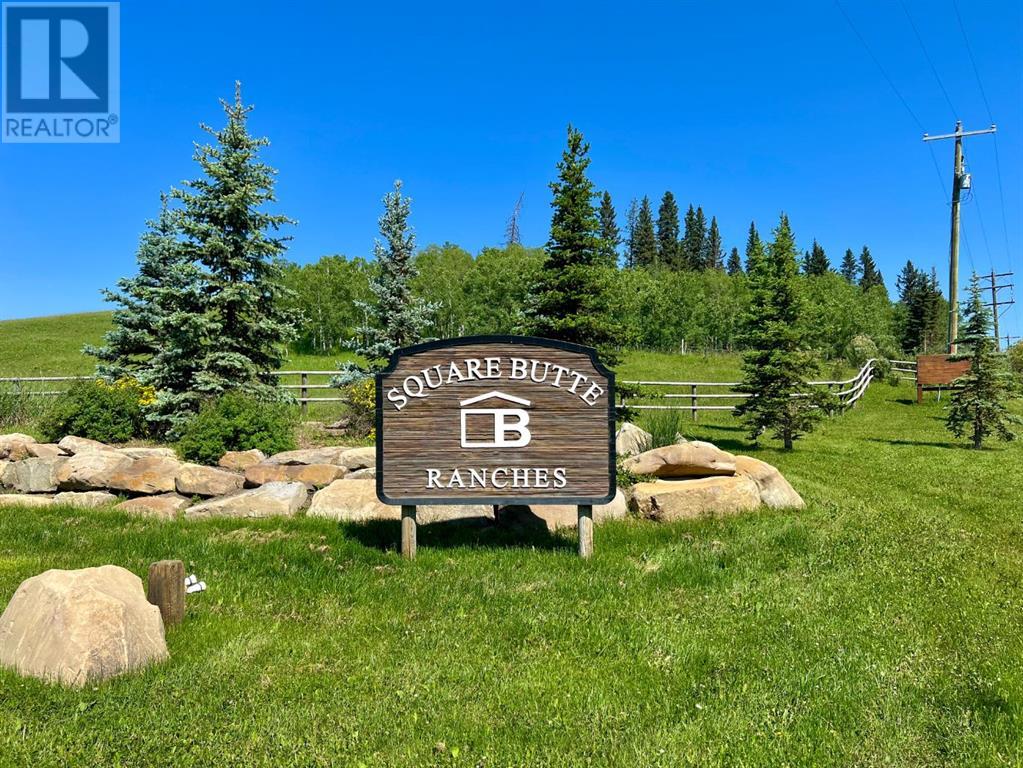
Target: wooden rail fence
{"type": "Point", "coordinates": [309, 388]}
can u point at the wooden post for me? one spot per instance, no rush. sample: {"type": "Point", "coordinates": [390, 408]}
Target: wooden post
{"type": "Point", "coordinates": [305, 394]}
{"type": "Point", "coordinates": [408, 531]}
{"type": "Point", "coordinates": [167, 590]}
{"type": "Point", "coordinates": [692, 391]}
{"type": "Point", "coordinates": [585, 530]}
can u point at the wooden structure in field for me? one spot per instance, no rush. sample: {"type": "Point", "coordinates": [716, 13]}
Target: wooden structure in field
{"type": "Point", "coordinates": [937, 372]}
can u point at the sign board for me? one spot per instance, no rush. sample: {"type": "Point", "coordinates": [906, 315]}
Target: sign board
{"type": "Point", "coordinates": [937, 371]}
{"type": "Point", "coordinates": [495, 420]}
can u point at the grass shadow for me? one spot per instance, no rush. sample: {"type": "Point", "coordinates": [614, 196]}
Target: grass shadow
{"type": "Point", "coordinates": [916, 443]}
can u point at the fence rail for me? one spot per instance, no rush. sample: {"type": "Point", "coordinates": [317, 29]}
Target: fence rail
{"type": "Point", "coordinates": [848, 392]}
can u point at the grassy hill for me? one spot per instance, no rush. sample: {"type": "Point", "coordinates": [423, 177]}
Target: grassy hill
{"type": "Point", "coordinates": [879, 626]}
{"type": "Point", "coordinates": [50, 346]}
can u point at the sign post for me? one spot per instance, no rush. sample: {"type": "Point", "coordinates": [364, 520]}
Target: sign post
{"type": "Point", "coordinates": [495, 420]}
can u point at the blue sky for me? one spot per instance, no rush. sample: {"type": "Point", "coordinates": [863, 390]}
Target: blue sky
{"type": "Point", "coordinates": [747, 109]}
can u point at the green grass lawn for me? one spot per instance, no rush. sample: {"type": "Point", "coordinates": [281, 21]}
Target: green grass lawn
{"type": "Point", "coordinates": [878, 627]}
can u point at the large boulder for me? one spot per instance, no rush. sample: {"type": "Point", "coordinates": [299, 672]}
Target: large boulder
{"type": "Point", "coordinates": [90, 471]}
{"type": "Point", "coordinates": [241, 460]}
{"type": "Point", "coordinates": [351, 501]}
{"type": "Point", "coordinates": [146, 452]}
{"type": "Point", "coordinates": [556, 516]}
{"type": "Point", "coordinates": [775, 491]}
{"type": "Point", "coordinates": [85, 499]}
{"type": "Point", "coordinates": [155, 474]}
{"type": "Point", "coordinates": [316, 475]}
{"type": "Point", "coordinates": [631, 440]}
{"type": "Point", "coordinates": [197, 480]}
{"type": "Point", "coordinates": [33, 475]}
{"type": "Point", "coordinates": [359, 458]}
{"type": "Point", "coordinates": [693, 459]}
{"type": "Point", "coordinates": [24, 500]}
{"type": "Point", "coordinates": [162, 506]}
{"type": "Point", "coordinates": [325, 455]}
{"type": "Point", "coordinates": [272, 499]}
{"type": "Point", "coordinates": [19, 451]}
{"type": "Point", "coordinates": [75, 445]}
{"type": "Point", "coordinates": [43, 450]}
{"type": "Point", "coordinates": [362, 474]}
{"type": "Point", "coordinates": [7, 442]}
{"type": "Point", "coordinates": [668, 500]}
{"type": "Point", "coordinates": [78, 627]}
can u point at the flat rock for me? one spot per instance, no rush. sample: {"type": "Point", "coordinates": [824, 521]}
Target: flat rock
{"type": "Point", "coordinates": [147, 452]}
{"type": "Point", "coordinates": [74, 445]}
{"type": "Point", "coordinates": [241, 460]}
{"type": "Point", "coordinates": [33, 475]}
{"type": "Point", "coordinates": [775, 491]}
{"type": "Point", "coordinates": [327, 455]}
{"type": "Point", "coordinates": [163, 506]}
{"type": "Point", "coordinates": [351, 501]}
{"type": "Point", "coordinates": [316, 475]}
{"type": "Point", "coordinates": [43, 450]}
{"type": "Point", "coordinates": [631, 440]}
{"type": "Point", "coordinates": [556, 516]}
{"type": "Point", "coordinates": [693, 459]}
{"type": "Point", "coordinates": [272, 499]}
{"type": "Point", "coordinates": [17, 451]}
{"type": "Point", "coordinates": [359, 458]}
{"type": "Point", "coordinates": [362, 474]}
{"type": "Point", "coordinates": [6, 441]}
{"type": "Point", "coordinates": [85, 499]}
{"type": "Point", "coordinates": [24, 500]}
{"type": "Point", "coordinates": [90, 471]}
{"type": "Point", "coordinates": [197, 480]}
{"type": "Point", "coordinates": [668, 500]}
{"type": "Point", "coordinates": [78, 627]}
{"type": "Point", "coordinates": [152, 475]}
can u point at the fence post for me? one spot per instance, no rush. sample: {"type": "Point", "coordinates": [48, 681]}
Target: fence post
{"type": "Point", "coordinates": [305, 394]}
{"type": "Point", "coordinates": [692, 393]}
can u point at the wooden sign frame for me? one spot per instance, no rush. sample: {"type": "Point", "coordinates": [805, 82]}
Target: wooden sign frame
{"type": "Point", "coordinates": [584, 502]}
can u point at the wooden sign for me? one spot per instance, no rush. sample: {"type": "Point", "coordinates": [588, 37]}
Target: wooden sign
{"type": "Point", "coordinates": [938, 371]}
{"type": "Point", "coordinates": [495, 420]}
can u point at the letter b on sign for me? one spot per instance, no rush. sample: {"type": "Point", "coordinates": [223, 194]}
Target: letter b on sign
{"type": "Point", "coordinates": [511, 428]}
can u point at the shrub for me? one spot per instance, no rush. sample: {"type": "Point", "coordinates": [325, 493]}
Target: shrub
{"type": "Point", "coordinates": [237, 422]}
{"type": "Point", "coordinates": [1015, 355]}
{"type": "Point", "coordinates": [14, 409]}
{"type": "Point", "coordinates": [360, 407]}
{"type": "Point", "coordinates": [110, 413]}
{"type": "Point", "coordinates": [665, 427]}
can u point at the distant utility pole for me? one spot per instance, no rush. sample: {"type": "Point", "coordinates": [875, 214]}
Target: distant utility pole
{"type": "Point", "coordinates": [995, 303]}
{"type": "Point", "coordinates": [960, 181]}
{"type": "Point", "coordinates": [511, 232]}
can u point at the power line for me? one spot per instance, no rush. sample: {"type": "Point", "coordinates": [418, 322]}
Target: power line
{"type": "Point", "coordinates": [934, 70]}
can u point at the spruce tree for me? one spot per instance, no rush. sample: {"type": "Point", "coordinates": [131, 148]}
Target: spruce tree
{"type": "Point", "coordinates": [570, 300]}
{"type": "Point", "coordinates": [667, 231]}
{"type": "Point", "coordinates": [850, 268]}
{"type": "Point", "coordinates": [644, 245]}
{"type": "Point", "coordinates": [227, 231]}
{"type": "Point", "coordinates": [630, 233]}
{"type": "Point", "coordinates": [754, 247]}
{"type": "Point", "coordinates": [734, 263]}
{"type": "Point", "coordinates": [692, 252]}
{"type": "Point", "coordinates": [395, 317]}
{"type": "Point", "coordinates": [130, 345]}
{"type": "Point", "coordinates": [978, 407]}
{"type": "Point", "coordinates": [870, 276]}
{"type": "Point", "coordinates": [816, 263]}
{"type": "Point", "coordinates": [713, 252]}
{"type": "Point", "coordinates": [778, 362]}
{"type": "Point", "coordinates": [610, 237]}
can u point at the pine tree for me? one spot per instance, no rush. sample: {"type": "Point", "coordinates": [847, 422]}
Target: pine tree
{"type": "Point", "coordinates": [395, 318]}
{"type": "Point", "coordinates": [644, 244]}
{"type": "Point", "coordinates": [850, 268]}
{"type": "Point", "coordinates": [132, 342]}
{"type": "Point", "coordinates": [227, 232]}
{"type": "Point", "coordinates": [778, 363]}
{"type": "Point", "coordinates": [693, 239]}
{"type": "Point", "coordinates": [754, 247]}
{"type": "Point", "coordinates": [610, 237]}
{"type": "Point", "coordinates": [978, 407]}
{"type": "Point", "coordinates": [713, 252]}
{"type": "Point", "coordinates": [667, 231]}
{"type": "Point", "coordinates": [869, 273]}
{"type": "Point", "coordinates": [570, 300]}
{"type": "Point", "coordinates": [816, 263]}
{"type": "Point", "coordinates": [734, 263]}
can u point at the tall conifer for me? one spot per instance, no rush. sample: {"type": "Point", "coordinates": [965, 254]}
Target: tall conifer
{"type": "Point", "coordinates": [667, 231]}
{"type": "Point", "coordinates": [610, 237]}
{"type": "Point", "coordinates": [816, 263]}
{"type": "Point", "coordinates": [644, 239]}
{"type": "Point", "coordinates": [734, 262]}
{"type": "Point", "coordinates": [850, 269]}
{"type": "Point", "coordinates": [713, 252]}
{"type": "Point", "coordinates": [870, 276]}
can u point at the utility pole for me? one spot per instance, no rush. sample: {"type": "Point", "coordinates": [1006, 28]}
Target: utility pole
{"type": "Point", "coordinates": [995, 303]}
{"type": "Point", "coordinates": [959, 181]}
